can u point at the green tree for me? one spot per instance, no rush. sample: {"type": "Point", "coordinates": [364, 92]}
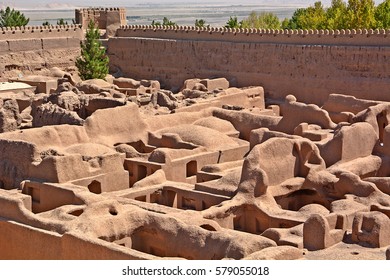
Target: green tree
{"type": "Point", "coordinates": [46, 23]}
{"type": "Point", "coordinates": [313, 17]}
{"type": "Point", "coordinates": [61, 21]}
{"type": "Point", "coordinates": [201, 23]}
{"type": "Point", "coordinates": [336, 15]}
{"type": "Point", "coordinates": [168, 22]}
{"type": "Point", "coordinates": [318, 16]}
{"type": "Point", "coordinates": [262, 20]}
{"type": "Point", "coordinates": [11, 17]}
{"type": "Point", "coordinates": [93, 62]}
{"type": "Point", "coordinates": [165, 22]}
{"type": "Point", "coordinates": [360, 14]}
{"type": "Point", "coordinates": [156, 23]}
{"type": "Point", "coordinates": [285, 24]}
{"type": "Point", "coordinates": [382, 15]}
{"type": "Point", "coordinates": [341, 15]}
{"type": "Point", "coordinates": [233, 23]}
{"type": "Point", "coordinates": [295, 21]}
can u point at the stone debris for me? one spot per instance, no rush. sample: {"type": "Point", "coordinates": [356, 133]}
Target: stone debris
{"type": "Point", "coordinates": [284, 182]}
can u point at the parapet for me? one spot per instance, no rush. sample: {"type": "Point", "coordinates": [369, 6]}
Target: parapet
{"type": "Point", "coordinates": [41, 32]}
{"type": "Point", "coordinates": [370, 37]}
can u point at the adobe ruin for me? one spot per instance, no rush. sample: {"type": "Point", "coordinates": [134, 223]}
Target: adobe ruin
{"type": "Point", "coordinates": [208, 168]}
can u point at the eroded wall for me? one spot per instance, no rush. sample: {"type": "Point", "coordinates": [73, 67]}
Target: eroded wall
{"type": "Point", "coordinates": [309, 64]}
{"type": "Point", "coordinates": [34, 48]}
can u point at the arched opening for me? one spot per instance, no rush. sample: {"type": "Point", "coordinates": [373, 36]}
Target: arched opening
{"type": "Point", "coordinates": [191, 168]}
{"type": "Point", "coordinates": [95, 187]}
{"type": "Point", "coordinates": [381, 119]}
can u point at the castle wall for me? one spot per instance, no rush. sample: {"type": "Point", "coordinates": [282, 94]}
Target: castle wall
{"type": "Point", "coordinates": [36, 47]}
{"type": "Point", "coordinates": [102, 16]}
{"type": "Point", "coordinates": [310, 64]}
{"type": "Point", "coordinates": [109, 19]}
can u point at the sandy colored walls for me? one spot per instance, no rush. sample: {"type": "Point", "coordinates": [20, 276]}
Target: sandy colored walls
{"type": "Point", "coordinates": [19, 241]}
{"type": "Point", "coordinates": [22, 242]}
{"type": "Point", "coordinates": [36, 47]}
{"type": "Point", "coordinates": [109, 19]}
{"type": "Point", "coordinates": [104, 17]}
{"type": "Point", "coordinates": [309, 64]}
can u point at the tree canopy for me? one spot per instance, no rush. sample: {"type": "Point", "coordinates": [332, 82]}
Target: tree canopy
{"type": "Point", "coordinates": [350, 14]}
{"type": "Point", "coordinates": [353, 14]}
{"type": "Point", "coordinates": [165, 22]}
{"type": "Point", "coordinates": [10, 17]}
{"type": "Point", "coordinates": [312, 17]}
{"type": "Point", "coordinates": [201, 23]}
{"type": "Point", "coordinates": [382, 15]}
{"type": "Point", "coordinates": [341, 14]}
{"type": "Point", "coordinates": [61, 21]}
{"type": "Point", "coordinates": [233, 23]}
{"type": "Point", "coordinates": [261, 20]}
{"type": "Point", "coordinates": [93, 62]}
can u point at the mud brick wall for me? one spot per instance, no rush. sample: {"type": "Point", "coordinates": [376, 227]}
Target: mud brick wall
{"type": "Point", "coordinates": [36, 47]}
{"type": "Point", "coordinates": [311, 64]}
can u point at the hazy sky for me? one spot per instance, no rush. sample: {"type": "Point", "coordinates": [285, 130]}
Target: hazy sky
{"type": "Point", "coordinates": [115, 3]}
{"type": "Point", "coordinates": [73, 3]}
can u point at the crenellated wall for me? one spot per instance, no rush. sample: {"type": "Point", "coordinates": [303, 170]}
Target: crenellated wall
{"type": "Point", "coordinates": [310, 64]}
{"type": "Point", "coordinates": [41, 32]}
{"type": "Point", "coordinates": [35, 47]}
{"type": "Point", "coordinates": [323, 37]}
{"type": "Point", "coordinates": [102, 16]}
{"type": "Point", "coordinates": [105, 18]}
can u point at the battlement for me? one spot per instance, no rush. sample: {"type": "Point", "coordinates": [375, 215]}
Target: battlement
{"type": "Point", "coordinates": [41, 32]}
{"type": "Point", "coordinates": [32, 48]}
{"type": "Point", "coordinates": [105, 18]}
{"type": "Point", "coordinates": [369, 37]}
{"type": "Point", "coordinates": [101, 9]}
